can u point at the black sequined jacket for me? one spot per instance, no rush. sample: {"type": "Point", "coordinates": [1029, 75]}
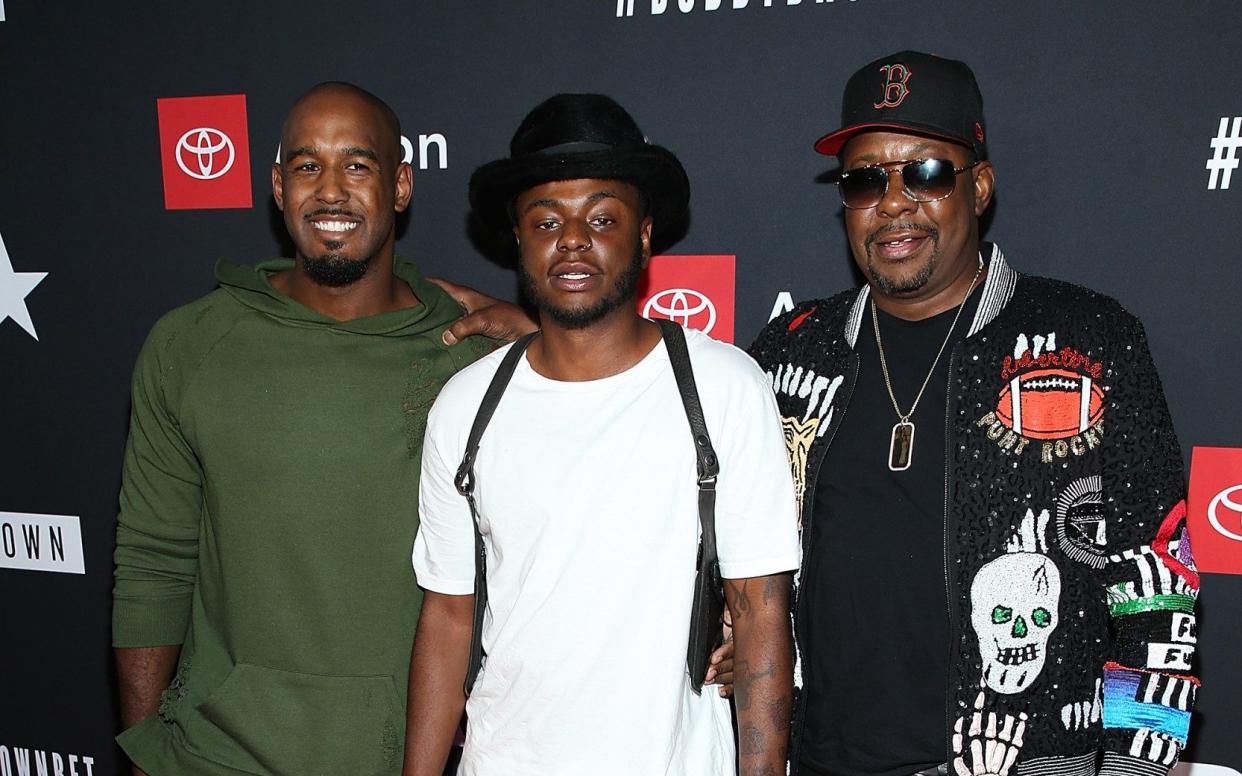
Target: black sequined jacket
{"type": "Point", "coordinates": [1070, 581]}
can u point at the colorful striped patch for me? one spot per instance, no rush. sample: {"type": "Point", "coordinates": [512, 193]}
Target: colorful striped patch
{"type": "Point", "coordinates": [1174, 602]}
{"type": "Point", "coordinates": [1125, 708]}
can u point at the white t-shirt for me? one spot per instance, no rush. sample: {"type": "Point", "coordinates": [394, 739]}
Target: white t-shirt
{"type": "Point", "coordinates": [588, 505]}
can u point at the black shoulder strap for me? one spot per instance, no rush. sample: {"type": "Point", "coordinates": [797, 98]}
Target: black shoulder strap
{"type": "Point", "coordinates": [708, 465]}
{"type": "Point", "coordinates": [465, 486]}
{"type": "Point", "coordinates": [708, 602]}
{"type": "Point", "coordinates": [491, 399]}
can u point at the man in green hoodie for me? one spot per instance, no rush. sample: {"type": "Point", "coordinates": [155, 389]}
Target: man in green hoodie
{"type": "Point", "coordinates": [264, 601]}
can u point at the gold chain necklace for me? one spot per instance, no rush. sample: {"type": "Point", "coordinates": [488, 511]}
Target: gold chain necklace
{"type": "Point", "coordinates": [901, 444]}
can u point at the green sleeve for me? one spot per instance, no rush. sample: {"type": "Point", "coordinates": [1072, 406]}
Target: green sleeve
{"type": "Point", "coordinates": [160, 509]}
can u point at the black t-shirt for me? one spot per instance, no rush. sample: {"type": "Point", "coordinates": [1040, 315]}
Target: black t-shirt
{"type": "Point", "coordinates": [877, 625]}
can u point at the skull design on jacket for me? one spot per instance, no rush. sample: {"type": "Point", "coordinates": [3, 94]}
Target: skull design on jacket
{"type": "Point", "coordinates": [1014, 603]}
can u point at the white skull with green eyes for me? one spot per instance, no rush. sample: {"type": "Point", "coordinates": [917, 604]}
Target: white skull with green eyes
{"type": "Point", "coordinates": [1014, 601]}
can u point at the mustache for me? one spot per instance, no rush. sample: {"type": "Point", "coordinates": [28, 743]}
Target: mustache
{"type": "Point", "coordinates": [332, 211]}
{"type": "Point", "coordinates": [878, 234]}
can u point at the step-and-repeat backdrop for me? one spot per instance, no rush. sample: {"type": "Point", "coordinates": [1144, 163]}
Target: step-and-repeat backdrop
{"type": "Point", "coordinates": [136, 140]}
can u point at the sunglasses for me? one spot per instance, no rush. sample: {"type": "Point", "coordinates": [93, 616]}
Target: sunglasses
{"type": "Point", "coordinates": [922, 180]}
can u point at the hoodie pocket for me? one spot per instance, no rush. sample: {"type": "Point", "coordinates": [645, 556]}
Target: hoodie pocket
{"type": "Point", "coordinates": [267, 721]}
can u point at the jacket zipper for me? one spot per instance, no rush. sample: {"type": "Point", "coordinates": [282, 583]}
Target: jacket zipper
{"type": "Point", "coordinates": [950, 691]}
{"type": "Point", "coordinates": [808, 507]}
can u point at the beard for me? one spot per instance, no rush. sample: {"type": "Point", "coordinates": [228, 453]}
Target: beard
{"type": "Point", "coordinates": [624, 290]}
{"type": "Point", "coordinates": [333, 269]}
{"type": "Point", "coordinates": [891, 286]}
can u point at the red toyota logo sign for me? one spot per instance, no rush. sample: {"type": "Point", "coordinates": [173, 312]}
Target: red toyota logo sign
{"type": "Point", "coordinates": [695, 291]}
{"type": "Point", "coordinates": [1224, 512]}
{"type": "Point", "coordinates": [1215, 503]}
{"type": "Point", "coordinates": [205, 152]}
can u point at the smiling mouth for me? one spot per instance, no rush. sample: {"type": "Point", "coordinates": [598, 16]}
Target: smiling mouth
{"type": "Point", "coordinates": [338, 227]}
{"type": "Point", "coordinates": [899, 249]}
{"type": "Point", "coordinates": [895, 243]}
{"type": "Point", "coordinates": [900, 238]}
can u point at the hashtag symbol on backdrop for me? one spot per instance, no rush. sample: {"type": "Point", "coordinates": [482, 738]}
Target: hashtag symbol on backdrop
{"type": "Point", "coordinates": [1225, 158]}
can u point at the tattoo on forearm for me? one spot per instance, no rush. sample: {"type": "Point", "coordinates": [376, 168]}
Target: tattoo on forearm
{"type": "Point", "coordinates": [750, 740]}
{"type": "Point", "coordinates": [741, 599]}
{"type": "Point", "coordinates": [762, 690]}
{"type": "Point", "coordinates": [744, 678]}
{"type": "Point", "coordinates": [775, 591]}
{"type": "Point", "coordinates": [772, 587]}
{"type": "Point", "coordinates": [741, 685]}
{"type": "Point", "coordinates": [780, 712]}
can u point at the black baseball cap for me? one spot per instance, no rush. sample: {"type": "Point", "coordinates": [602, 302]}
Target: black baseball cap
{"type": "Point", "coordinates": [913, 92]}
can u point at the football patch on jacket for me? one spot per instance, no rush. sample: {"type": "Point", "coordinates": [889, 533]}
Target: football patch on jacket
{"type": "Point", "coordinates": [1050, 401]}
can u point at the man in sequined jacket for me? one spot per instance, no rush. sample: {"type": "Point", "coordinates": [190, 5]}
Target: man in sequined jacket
{"type": "Point", "coordinates": [996, 574]}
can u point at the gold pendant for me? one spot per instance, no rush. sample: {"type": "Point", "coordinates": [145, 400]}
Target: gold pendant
{"type": "Point", "coordinates": [901, 448]}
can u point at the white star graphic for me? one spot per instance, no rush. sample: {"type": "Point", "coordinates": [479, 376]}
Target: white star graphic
{"type": "Point", "coordinates": [14, 287]}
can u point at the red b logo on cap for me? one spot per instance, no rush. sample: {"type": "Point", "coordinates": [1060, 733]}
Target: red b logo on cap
{"type": "Point", "coordinates": [895, 89]}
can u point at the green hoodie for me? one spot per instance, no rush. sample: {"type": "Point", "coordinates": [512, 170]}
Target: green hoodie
{"type": "Point", "coordinates": [269, 503]}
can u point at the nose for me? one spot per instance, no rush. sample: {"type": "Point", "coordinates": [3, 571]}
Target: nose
{"type": "Point", "coordinates": [894, 202]}
{"type": "Point", "coordinates": [1019, 628]}
{"type": "Point", "coordinates": [575, 236]}
{"type": "Point", "coordinates": [330, 190]}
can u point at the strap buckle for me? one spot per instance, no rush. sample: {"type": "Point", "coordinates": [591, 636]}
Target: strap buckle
{"type": "Point", "coordinates": [464, 481]}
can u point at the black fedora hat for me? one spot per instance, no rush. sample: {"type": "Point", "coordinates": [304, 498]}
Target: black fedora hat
{"type": "Point", "coordinates": [573, 136]}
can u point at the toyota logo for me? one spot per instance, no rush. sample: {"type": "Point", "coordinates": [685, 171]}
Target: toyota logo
{"type": "Point", "coordinates": [210, 150]}
{"type": "Point", "coordinates": [682, 305]}
{"type": "Point", "coordinates": [1227, 499]}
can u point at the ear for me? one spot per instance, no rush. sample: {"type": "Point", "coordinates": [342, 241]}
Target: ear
{"type": "Point", "coordinates": [405, 187]}
{"type": "Point", "coordinates": [985, 181]}
{"type": "Point", "coordinates": [278, 187]}
{"type": "Point", "coordinates": [644, 236]}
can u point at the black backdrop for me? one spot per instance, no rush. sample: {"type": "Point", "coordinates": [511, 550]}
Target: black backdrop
{"type": "Point", "coordinates": [1101, 116]}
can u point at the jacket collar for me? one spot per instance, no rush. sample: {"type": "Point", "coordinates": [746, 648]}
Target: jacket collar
{"type": "Point", "coordinates": [998, 289]}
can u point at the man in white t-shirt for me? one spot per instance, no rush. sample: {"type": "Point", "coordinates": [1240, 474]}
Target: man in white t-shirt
{"type": "Point", "coordinates": [587, 495]}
